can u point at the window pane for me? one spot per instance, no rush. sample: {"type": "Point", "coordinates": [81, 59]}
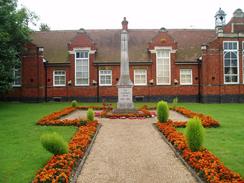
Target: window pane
{"type": "Point", "coordinates": [234, 79]}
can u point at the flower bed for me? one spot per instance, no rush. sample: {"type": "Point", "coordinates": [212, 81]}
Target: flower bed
{"type": "Point", "coordinates": [59, 168]}
{"type": "Point", "coordinates": [207, 166]}
{"type": "Point", "coordinates": [207, 121]}
{"type": "Point", "coordinates": [142, 113]}
{"type": "Point", "coordinates": [53, 119]}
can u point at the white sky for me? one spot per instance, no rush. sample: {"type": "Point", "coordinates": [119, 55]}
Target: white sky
{"type": "Point", "coordinates": [108, 14]}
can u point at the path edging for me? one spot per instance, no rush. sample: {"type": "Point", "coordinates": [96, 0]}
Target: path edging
{"type": "Point", "coordinates": [83, 160]}
{"type": "Point", "coordinates": [192, 171]}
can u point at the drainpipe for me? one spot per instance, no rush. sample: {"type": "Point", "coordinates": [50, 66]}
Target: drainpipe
{"type": "Point", "coordinates": [199, 60]}
{"type": "Point", "coordinates": [45, 68]}
{"type": "Point", "coordinates": [98, 83]}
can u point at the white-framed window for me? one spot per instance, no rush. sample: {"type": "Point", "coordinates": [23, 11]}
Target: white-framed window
{"type": "Point", "coordinates": [186, 76]}
{"type": "Point", "coordinates": [105, 77]}
{"type": "Point", "coordinates": [82, 68]}
{"type": "Point", "coordinates": [16, 77]}
{"type": "Point", "coordinates": [231, 62]}
{"type": "Point", "coordinates": [59, 78]}
{"type": "Point", "coordinates": [140, 77]}
{"type": "Point", "coordinates": [163, 66]}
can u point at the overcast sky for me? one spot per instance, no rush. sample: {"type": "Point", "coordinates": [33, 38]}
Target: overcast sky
{"type": "Point", "coordinates": [108, 14]}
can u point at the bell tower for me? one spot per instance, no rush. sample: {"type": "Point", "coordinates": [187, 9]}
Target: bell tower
{"type": "Point", "coordinates": [219, 20]}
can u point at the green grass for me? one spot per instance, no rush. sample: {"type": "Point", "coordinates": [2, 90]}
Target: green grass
{"type": "Point", "coordinates": [227, 141]}
{"type": "Point", "coordinates": [21, 151]}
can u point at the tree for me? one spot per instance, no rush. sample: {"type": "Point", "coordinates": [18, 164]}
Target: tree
{"type": "Point", "coordinates": [44, 27]}
{"type": "Point", "coordinates": [14, 34]}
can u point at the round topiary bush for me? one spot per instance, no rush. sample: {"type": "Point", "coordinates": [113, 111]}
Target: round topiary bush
{"type": "Point", "coordinates": [74, 103]}
{"type": "Point", "coordinates": [162, 111]}
{"type": "Point", "coordinates": [194, 134]}
{"type": "Point", "coordinates": [90, 115]}
{"type": "Point", "coordinates": [54, 143]}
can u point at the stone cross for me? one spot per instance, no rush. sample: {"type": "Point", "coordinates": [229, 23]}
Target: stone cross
{"type": "Point", "coordinates": [125, 101]}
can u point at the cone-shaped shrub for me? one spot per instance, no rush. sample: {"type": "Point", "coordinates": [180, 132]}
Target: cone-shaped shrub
{"type": "Point", "coordinates": [90, 115]}
{"type": "Point", "coordinates": [54, 143]}
{"type": "Point", "coordinates": [162, 111]}
{"type": "Point", "coordinates": [194, 134]}
{"type": "Point", "coordinates": [74, 103]}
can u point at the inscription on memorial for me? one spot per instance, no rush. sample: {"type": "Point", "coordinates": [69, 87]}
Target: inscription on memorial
{"type": "Point", "coordinates": [125, 95]}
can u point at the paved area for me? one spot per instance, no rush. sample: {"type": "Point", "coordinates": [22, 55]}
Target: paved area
{"type": "Point", "coordinates": [131, 151]}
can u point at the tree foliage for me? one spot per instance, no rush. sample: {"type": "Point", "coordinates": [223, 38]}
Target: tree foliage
{"type": "Point", "coordinates": [44, 27]}
{"type": "Point", "coordinates": [14, 33]}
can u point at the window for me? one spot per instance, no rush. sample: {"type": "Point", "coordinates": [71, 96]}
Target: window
{"type": "Point", "coordinates": [185, 76]}
{"type": "Point", "coordinates": [105, 77]}
{"type": "Point", "coordinates": [16, 77]}
{"type": "Point", "coordinates": [59, 78]}
{"type": "Point", "coordinates": [140, 77]}
{"type": "Point", "coordinates": [231, 62]}
{"type": "Point", "coordinates": [82, 68]}
{"type": "Point", "coordinates": [163, 67]}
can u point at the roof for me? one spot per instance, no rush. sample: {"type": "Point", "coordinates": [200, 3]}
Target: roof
{"type": "Point", "coordinates": [54, 44]}
{"type": "Point", "coordinates": [107, 42]}
{"type": "Point", "coordinates": [189, 42]}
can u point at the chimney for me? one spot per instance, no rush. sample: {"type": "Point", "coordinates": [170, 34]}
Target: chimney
{"type": "Point", "coordinates": [125, 24]}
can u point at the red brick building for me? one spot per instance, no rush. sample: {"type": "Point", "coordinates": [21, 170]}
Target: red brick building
{"type": "Point", "coordinates": [193, 64]}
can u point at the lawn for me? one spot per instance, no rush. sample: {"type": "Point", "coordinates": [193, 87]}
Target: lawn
{"type": "Point", "coordinates": [21, 152]}
{"type": "Point", "coordinates": [227, 141]}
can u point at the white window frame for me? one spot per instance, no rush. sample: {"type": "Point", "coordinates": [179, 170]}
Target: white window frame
{"type": "Point", "coordinates": [161, 49]}
{"type": "Point", "coordinates": [54, 75]}
{"type": "Point", "coordinates": [88, 58]}
{"type": "Point", "coordinates": [145, 73]}
{"type": "Point", "coordinates": [181, 83]}
{"type": "Point", "coordinates": [110, 74]}
{"type": "Point", "coordinates": [14, 76]}
{"type": "Point", "coordinates": [237, 57]}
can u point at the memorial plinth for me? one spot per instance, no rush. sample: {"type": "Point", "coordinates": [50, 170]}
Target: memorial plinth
{"type": "Point", "coordinates": [125, 97]}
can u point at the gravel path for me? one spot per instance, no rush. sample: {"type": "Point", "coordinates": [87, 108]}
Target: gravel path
{"type": "Point", "coordinates": [133, 152]}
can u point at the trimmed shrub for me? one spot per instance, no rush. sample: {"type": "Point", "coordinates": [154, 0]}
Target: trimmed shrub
{"type": "Point", "coordinates": [54, 143]}
{"type": "Point", "coordinates": [162, 111]}
{"type": "Point", "coordinates": [90, 115]}
{"type": "Point", "coordinates": [194, 134]}
{"type": "Point", "coordinates": [175, 102]}
{"type": "Point", "coordinates": [74, 103]}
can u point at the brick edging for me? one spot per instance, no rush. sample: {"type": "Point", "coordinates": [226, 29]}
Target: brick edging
{"type": "Point", "coordinates": [83, 160]}
{"type": "Point", "coordinates": [192, 171]}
